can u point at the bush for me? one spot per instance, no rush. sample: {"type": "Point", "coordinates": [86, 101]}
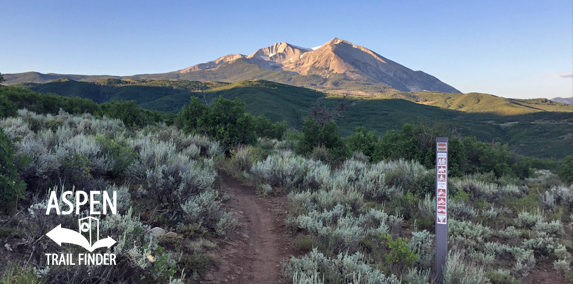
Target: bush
{"type": "Point", "coordinates": [339, 231]}
{"type": "Point", "coordinates": [528, 220]}
{"type": "Point", "coordinates": [344, 268]}
{"type": "Point", "coordinates": [204, 210]}
{"type": "Point", "coordinates": [362, 142]}
{"type": "Point", "coordinates": [468, 233]}
{"type": "Point", "coordinates": [421, 244]}
{"type": "Point", "coordinates": [459, 270]}
{"type": "Point", "coordinates": [325, 136]}
{"type": "Point", "coordinates": [20, 274]}
{"type": "Point", "coordinates": [11, 187]}
{"type": "Point", "coordinates": [121, 155]}
{"type": "Point", "coordinates": [566, 169]}
{"type": "Point", "coordinates": [399, 256]}
{"type": "Point", "coordinates": [265, 128]}
{"type": "Point", "coordinates": [558, 195]}
{"type": "Point", "coordinates": [226, 121]}
{"type": "Point", "coordinates": [130, 113]}
{"type": "Point", "coordinates": [525, 261]}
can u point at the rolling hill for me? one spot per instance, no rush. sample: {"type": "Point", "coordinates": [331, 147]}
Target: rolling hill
{"type": "Point", "coordinates": [538, 128]}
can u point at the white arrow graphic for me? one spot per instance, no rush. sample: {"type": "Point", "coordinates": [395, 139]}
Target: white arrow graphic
{"type": "Point", "coordinates": [62, 235]}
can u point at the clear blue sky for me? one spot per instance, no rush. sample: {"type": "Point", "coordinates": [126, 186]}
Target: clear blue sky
{"type": "Point", "coordinates": [518, 49]}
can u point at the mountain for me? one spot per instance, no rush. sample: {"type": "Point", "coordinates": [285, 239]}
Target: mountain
{"type": "Point", "coordinates": [336, 58]}
{"type": "Point", "coordinates": [563, 100]}
{"type": "Point", "coordinates": [337, 66]}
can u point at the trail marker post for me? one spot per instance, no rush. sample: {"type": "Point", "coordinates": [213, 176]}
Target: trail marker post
{"type": "Point", "coordinates": [441, 206]}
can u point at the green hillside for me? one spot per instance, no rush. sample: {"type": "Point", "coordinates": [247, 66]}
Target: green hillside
{"type": "Point", "coordinates": [41, 78]}
{"type": "Point", "coordinates": [540, 128]}
{"type": "Point", "coordinates": [474, 102]}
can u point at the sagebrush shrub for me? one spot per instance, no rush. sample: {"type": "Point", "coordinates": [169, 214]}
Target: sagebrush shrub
{"type": "Point", "coordinates": [344, 268]}
{"type": "Point", "coordinates": [468, 233]}
{"type": "Point", "coordinates": [322, 200]}
{"type": "Point", "coordinates": [459, 269]}
{"type": "Point", "coordinates": [509, 233]}
{"type": "Point", "coordinates": [340, 231]}
{"type": "Point", "coordinates": [421, 244]}
{"type": "Point", "coordinates": [205, 210]}
{"type": "Point", "coordinates": [525, 261]}
{"type": "Point", "coordinates": [558, 195]}
{"type": "Point", "coordinates": [528, 220]}
{"type": "Point", "coordinates": [553, 228]}
{"type": "Point", "coordinates": [542, 246]}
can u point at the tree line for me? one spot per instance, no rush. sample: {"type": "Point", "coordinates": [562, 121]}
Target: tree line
{"type": "Point", "coordinates": [228, 122]}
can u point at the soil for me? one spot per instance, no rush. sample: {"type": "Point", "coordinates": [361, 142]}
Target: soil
{"type": "Point", "coordinates": [254, 251]}
{"type": "Point", "coordinates": [543, 273]}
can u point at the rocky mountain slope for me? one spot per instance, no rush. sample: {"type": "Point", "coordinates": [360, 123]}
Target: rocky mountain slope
{"type": "Point", "coordinates": [337, 66]}
{"type": "Point", "coordinates": [336, 57]}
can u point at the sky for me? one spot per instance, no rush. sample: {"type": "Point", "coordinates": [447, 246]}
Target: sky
{"type": "Point", "coordinates": [513, 49]}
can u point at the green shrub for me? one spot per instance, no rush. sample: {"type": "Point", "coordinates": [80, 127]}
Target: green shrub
{"type": "Point", "coordinates": [121, 155]}
{"type": "Point", "coordinates": [325, 136]}
{"type": "Point", "coordinates": [399, 256]}
{"type": "Point", "coordinates": [566, 169]}
{"type": "Point", "coordinates": [130, 113]}
{"type": "Point", "coordinates": [19, 274]}
{"type": "Point", "coordinates": [501, 277]}
{"type": "Point", "coordinates": [11, 187]}
{"type": "Point", "coordinates": [362, 142]}
{"type": "Point", "coordinates": [265, 128]}
{"type": "Point", "coordinates": [421, 244]}
{"type": "Point", "coordinates": [226, 121]}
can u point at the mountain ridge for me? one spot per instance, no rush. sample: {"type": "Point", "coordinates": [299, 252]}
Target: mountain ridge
{"type": "Point", "coordinates": [568, 101]}
{"type": "Point", "coordinates": [337, 56]}
{"type": "Point", "coordinates": [337, 66]}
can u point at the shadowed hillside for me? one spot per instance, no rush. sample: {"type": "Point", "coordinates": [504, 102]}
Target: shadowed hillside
{"type": "Point", "coordinates": [536, 127]}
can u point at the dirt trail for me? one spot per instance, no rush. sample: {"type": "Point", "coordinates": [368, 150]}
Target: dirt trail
{"type": "Point", "coordinates": [253, 253]}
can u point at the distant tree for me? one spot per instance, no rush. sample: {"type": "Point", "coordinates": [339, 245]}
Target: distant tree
{"type": "Point", "coordinates": [1, 78]}
{"type": "Point", "coordinates": [228, 122]}
{"type": "Point", "coordinates": [225, 121]}
{"type": "Point", "coordinates": [265, 128]}
{"type": "Point", "coordinates": [129, 113]}
{"type": "Point", "coordinates": [192, 116]}
{"type": "Point", "coordinates": [7, 107]}
{"type": "Point", "coordinates": [322, 114]}
{"type": "Point", "coordinates": [316, 136]}
{"type": "Point", "coordinates": [361, 141]}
